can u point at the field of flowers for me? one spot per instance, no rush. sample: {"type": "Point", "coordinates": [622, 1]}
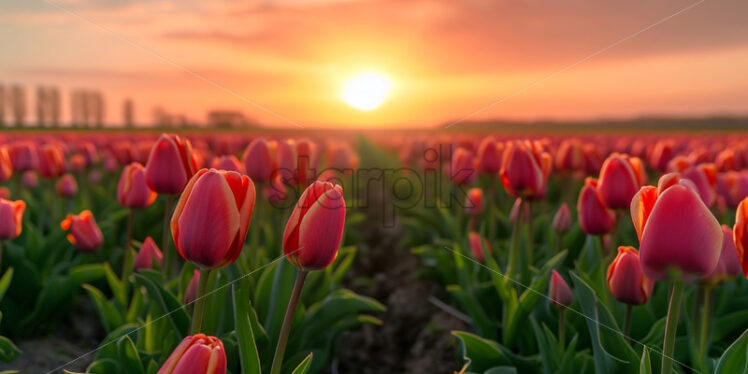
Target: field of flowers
{"type": "Point", "coordinates": [257, 253]}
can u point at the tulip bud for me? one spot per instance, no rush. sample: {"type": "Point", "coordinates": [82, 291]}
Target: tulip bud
{"type": "Point", "coordinates": [740, 238]}
{"type": "Point", "coordinates": [315, 227]}
{"type": "Point", "coordinates": [489, 158]}
{"type": "Point", "coordinates": [618, 182]}
{"type": "Point", "coordinates": [306, 162]}
{"type": "Point", "coordinates": [229, 163]}
{"type": "Point", "coordinates": [675, 229]}
{"type": "Point", "coordinates": [196, 354]}
{"type": "Point", "coordinates": [51, 161]}
{"type": "Point", "coordinates": [84, 233]}
{"type": "Point", "coordinates": [11, 218]}
{"type": "Point", "coordinates": [514, 214]}
{"type": "Point", "coordinates": [559, 291]}
{"type": "Point", "coordinates": [463, 167]}
{"type": "Point", "coordinates": [66, 186]}
{"type": "Point", "coordinates": [148, 255]}
{"type": "Point", "coordinates": [132, 190]}
{"type": "Point", "coordinates": [190, 294]}
{"type": "Point", "coordinates": [170, 165]}
{"type": "Point", "coordinates": [29, 179]}
{"type": "Point", "coordinates": [525, 169]}
{"type": "Point", "coordinates": [6, 166]}
{"type": "Point", "coordinates": [475, 245]}
{"type": "Point", "coordinates": [212, 217]}
{"type": "Point", "coordinates": [626, 280]}
{"type": "Point", "coordinates": [728, 265]}
{"type": "Point", "coordinates": [569, 156]}
{"type": "Point", "coordinates": [342, 157]}
{"type": "Point", "coordinates": [474, 202]}
{"type": "Point", "coordinates": [562, 220]}
{"type": "Point", "coordinates": [594, 216]}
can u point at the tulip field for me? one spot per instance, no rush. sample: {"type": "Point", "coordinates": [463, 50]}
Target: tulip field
{"type": "Point", "coordinates": [267, 252]}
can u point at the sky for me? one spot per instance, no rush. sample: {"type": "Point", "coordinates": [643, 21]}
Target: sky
{"type": "Point", "coordinates": [284, 62]}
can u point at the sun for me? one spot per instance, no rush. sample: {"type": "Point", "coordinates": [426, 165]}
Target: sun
{"type": "Point", "coordinates": [366, 91]}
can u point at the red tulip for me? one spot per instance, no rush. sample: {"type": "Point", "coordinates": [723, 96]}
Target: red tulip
{"type": "Point", "coordinates": [463, 167]}
{"type": "Point", "coordinates": [51, 161]}
{"type": "Point", "coordinates": [618, 182]}
{"type": "Point", "coordinates": [4, 193]}
{"type": "Point", "coordinates": [11, 218]}
{"type": "Point", "coordinates": [728, 265]}
{"type": "Point", "coordinates": [514, 213]}
{"type": "Point", "coordinates": [132, 191]}
{"type": "Point", "coordinates": [595, 217]}
{"type": "Point", "coordinates": [77, 163]}
{"type": "Point", "coordinates": [286, 155]}
{"type": "Point", "coordinates": [661, 155]}
{"type": "Point", "coordinates": [704, 177]}
{"type": "Point", "coordinates": [275, 192]}
{"type": "Point", "coordinates": [341, 156]}
{"type": "Point", "coordinates": [525, 169]}
{"type": "Point", "coordinates": [474, 202]}
{"type": "Point", "coordinates": [626, 280]}
{"type": "Point", "coordinates": [675, 229]}
{"type": "Point", "coordinates": [229, 163]}
{"type": "Point", "coordinates": [196, 354]}
{"type": "Point", "coordinates": [315, 228]}
{"type": "Point", "coordinates": [475, 245]}
{"type": "Point", "coordinates": [170, 165]}
{"type": "Point", "coordinates": [84, 233]}
{"type": "Point", "coordinates": [6, 167]}
{"type": "Point", "coordinates": [148, 255]}
{"type": "Point", "coordinates": [559, 291]}
{"type": "Point", "coordinates": [569, 156]}
{"type": "Point", "coordinates": [488, 157]}
{"type": "Point", "coordinates": [67, 186]}
{"type": "Point", "coordinates": [306, 162]}
{"type": "Point", "coordinates": [23, 156]}
{"type": "Point", "coordinates": [562, 219]}
{"type": "Point", "coordinates": [190, 294]}
{"type": "Point", "coordinates": [740, 238]}
{"type": "Point", "coordinates": [212, 217]}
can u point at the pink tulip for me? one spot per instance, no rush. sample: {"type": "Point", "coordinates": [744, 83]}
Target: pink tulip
{"type": "Point", "coordinates": [475, 245]}
{"type": "Point", "coordinates": [595, 218]}
{"type": "Point", "coordinates": [618, 182]}
{"type": "Point", "coordinates": [626, 280]}
{"type": "Point", "coordinates": [132, 190]}
{"type": "Point", "coordinates": [84, 233]}
{"type": "Point", "coordinates": [11, 218]}
{"type": "Point", "coordinates": [67, 186]}
{"type": "Point", "coordinates": [525, 169]}
{"type": "Point", "coordinates": [559, 291]}
{"type": "Point", "coordinates": [197, 354]}
{"type": "Point", "coordinates": [148, 255]}
{"type": "Point", "coordinates": [562, 219]}
{"type": "Point", "coordinates": [170, 165]}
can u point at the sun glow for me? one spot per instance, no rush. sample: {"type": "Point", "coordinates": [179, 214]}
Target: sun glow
{"type": "Point", "coordinates": [366, 91]}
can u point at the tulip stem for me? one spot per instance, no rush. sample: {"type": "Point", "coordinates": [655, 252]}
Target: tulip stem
{"type": "Point", "coordinates": [127, 258]}
{"type": "Point", "coordinates": [512, 267]}
{"type": "Point", "coordinates": [197, 313]}
{"type": "Point", "coordinates": [627, 321]}
{"type": "Point", "coordinates": [704, 336]}
{"type": "Point", "coordinates": [165, 237]}
{"type": "Point", "coordinates": [280, 349]}
{"type": "Point", "coordinates": [530, 236]}
{"type": "Point", "coordinates": [561, 327]}
{"type": "Point", "coordinates": [671, 325]}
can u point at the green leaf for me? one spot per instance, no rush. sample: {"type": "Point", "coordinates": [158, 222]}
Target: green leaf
{"type": "Point", "coordinates": [280, 294]}
{"type": "Point", "coordinates": [165, 302]}
{"type": "Point", "coordinates": [304, 366]}
{"type": "Point", "coordinates": [733, 360]}
{"type": "Point", "coordinates": [129, 356]}
{"type": "Point", "coordinates": [111, 318]}
{"type": "Point", "coordinates": [108, 349]}
{"type": "Point", "coordinates": [8, 350]}
{"type": "Point", "coordinates": [481, 354]}
{"type": "Point", "coordinates": [501, 370]}
{"type": "Point", "coordinates": [248, 355]}
{"type": "Point", "coordinates": [645, 366]}
{"type": "Point", "coordinates": [5, 282]}
{"type": "Point", "coordinates": [333, 308]}
{"type": "Point", "coordinates": [105, 366]}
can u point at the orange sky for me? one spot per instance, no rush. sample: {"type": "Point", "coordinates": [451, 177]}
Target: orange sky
{"type": "Point", "coordinates": [446, 59]}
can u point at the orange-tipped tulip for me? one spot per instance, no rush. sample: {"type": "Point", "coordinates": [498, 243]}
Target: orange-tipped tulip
{"type": "Point", "coordinates": [562, 220]}
{"type": "Point", "coordinates": [676, 230]}
{"type": "Point", "coordinates": [618, 182]}
{"type": "Point", "coordinates": [594, 216]}
{"type": "Point", "coordinates": [148, 255]}
{"type": "Point", "coordinates": [315, 228]}
{"type": "Point", "coordinates": [170, 165]}
{"type": "Point", "coordinates": [84, 233]}
{"type": "Point", "coordinates": [525, 169]}
{"type": "Point", "coordinates": [6, 166]}
{"type": "Point", "coordinates": [559, 291]}
{"type": "Point", "coordinates": [132, 191]}
{"type": "Point", "coordinates": [212, 217]}
{"type": "Point", "coordinates": [739, 232]}
{"type": "Point", "coordinates": [197, 354]}
{"type": "Point", "coordinates": [51, 161]}
{"type": "Point", "coordinates": [67, 186]}
{"type": "Point", "coordinates": [258, 161]}
{"type": "Point", "coordinates": [11, 218]}
{"type": "Point", "coordinates": [474, 202]}
{"type": "Point", "coordinates": [626, 279]}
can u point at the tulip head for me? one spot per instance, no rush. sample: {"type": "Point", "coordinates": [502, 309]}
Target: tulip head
{"type": "Point", "coordinates": [618, 182]}
{"type": "Point", "coordinates": [475, 245]}
{"type": "Point", "coordinates": [559, 291]}
{"type": "Point", "coordinates": [170, 165]}
{"type": "Point", "coordinates": [488, 157]}
{"type": "Point", "coordinates": [626, 279]}
{"type": "Point", "coordinates": [11, 218]}
{"type": "Point", "coordinates": [83, 233]}
{"type": "Point", "coordinates": [258, 160]}
{"type": "Point", "coordinates": [229, 163]}
{"type": "Point", "coordinates": [728, 265]}
{"type": "Point", "coordinates": [315, 227]}
{"type": "Point", "coordinates": [525, 169]}
{"type": "Point", "coordinates": [6, 166]}
{"type": "Point", "coordinates": [463, 167]}
{"type": "Point", "coordinates": [562, 219]}
{"type": "Point", "coordinates": [740, 237]}
{"type": "Point", "coordinates": [676, 230]}
{"type": "Point", "coordinates": [51, 161]}
{"type": "Point", "coordinates": [66, 186]}
{"type": "Point", "coordinates": [24, 156]}
{"type": "Point", "coordinates": [29, 179]}
{"type": "Point", "coordinates": [148, 255]}
{"type": "Point", "coordinates": [190, 294]}
{"type": "Point", "coordinates": [196, 354]}
{"type": "Point", "coordinates": [704, 177]}
{"type": "Point", "coordinates": [594, 216]}
{"type": "Point", "coordinates": [212, 217]}
{"type": "Point", "coordinates": [132, 191]}
{"type": "Point", "coordinates": [474, 202]}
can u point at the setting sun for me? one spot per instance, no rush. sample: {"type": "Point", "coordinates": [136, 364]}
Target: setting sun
{"type": "Point", "coordinates": [366, 91]}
